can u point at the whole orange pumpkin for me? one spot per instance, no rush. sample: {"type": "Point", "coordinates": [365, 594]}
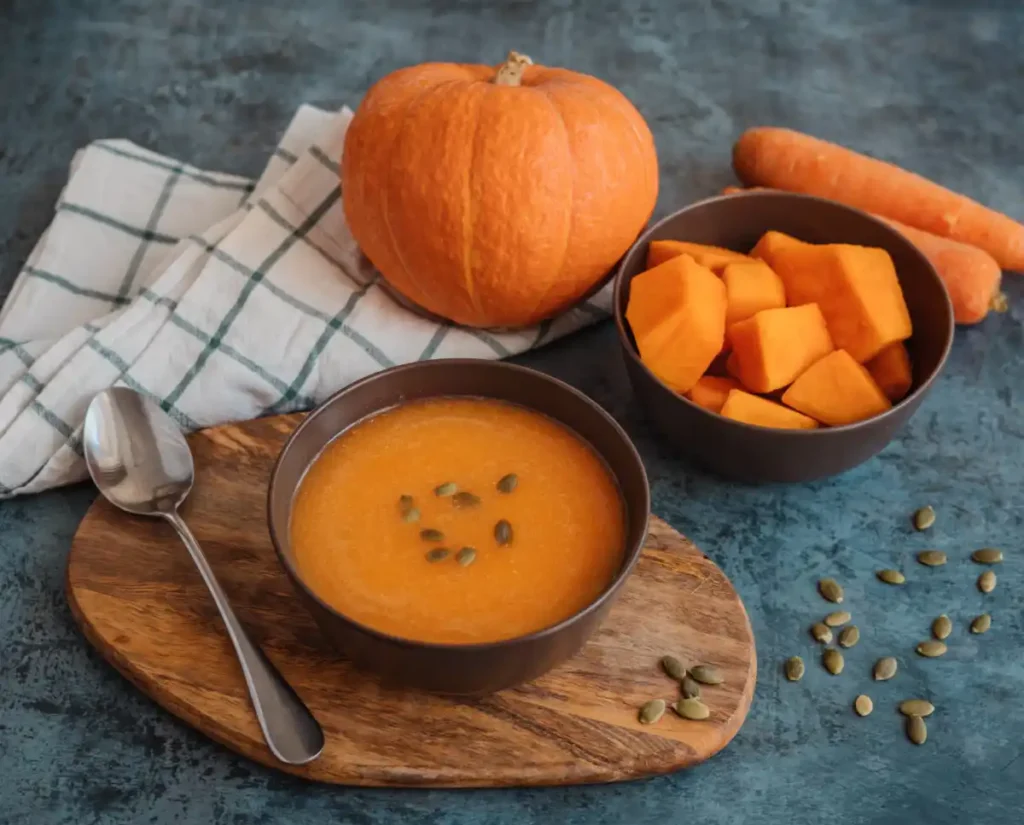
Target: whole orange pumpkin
{"type": "Point", "coordinates": [496, 197]}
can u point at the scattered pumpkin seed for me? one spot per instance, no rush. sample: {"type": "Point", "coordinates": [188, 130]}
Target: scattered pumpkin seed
{"type": "Point", "coordinates": [652, 711]}
{"type": "Point", "coordinates": [794, 668]}
{"type": "Point", "coordinates": [466, 556]}
{"type": "Point", "coordinates": [917, 707]}
{"type": "Point", "coordinates": [931, 648]}
{"type": "Point", "coordinates": [673, 667]}
{"type": "Point", "coordinates": [831, 590]}
{"type": "Point", "coordinates": [885, 668]}
{"type": "Point", "coordinates": [691, 708]}
{"type": "Point", "coordinates": [430, 534]}
{"type": "Point", "coordinates": [465, 500]}
{"type": "Point", "coordinates": [863, 705]}
{"type": "Point", "coordinates": [821, 633]}
{"type": "Point", "coordinates": [924, 518]}
{"type": "Point", "coordinates": [449, 488]}
{"type": "Point", "coordinates": [707, 674]}
{"type": "Point", "coordinates": [917, 730]}
{"type": "Point", "coordinates": [891, 576]}
{"type": "Point", "coordinates": [932, 558]}
{"type": "Point", "coordinates": [987, 555]}
{"type": "Point", "coordinates": [981, 623]}
{"type": "Point", "coordinates": [690, 687]}
{"type": "Point", "coordinates": [405, 501]}
{"type": "Point", "coordinates": [437, 554]}
{"type": "Point", "coordinates": [832, 659]}
{"type": "Point", "coordinates": [837, 619]}
{"type": "Point", "coordinates": [507, 483]}
{"type": "Point", "coordinates": [411, 515]}
{"type": "Point", "coordinates": [503, 533]}
{"type": "Point", "coordinates": [987, 582]}
{"type": "Point", "coordinates": [999, 302]}
{"type": "Point", "coordinates": [942, 627]}
{"type": "Point", "coordinates": [849, 636]}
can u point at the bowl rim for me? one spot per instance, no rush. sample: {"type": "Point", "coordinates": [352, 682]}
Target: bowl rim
{"type": "Point", "coordinates": [632, 551]}
{"type": "Point", "coordinates": [619, 313]}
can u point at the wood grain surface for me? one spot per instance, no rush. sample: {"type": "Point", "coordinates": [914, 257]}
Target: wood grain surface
{"type": "Point", "coordinates": [141, 603]}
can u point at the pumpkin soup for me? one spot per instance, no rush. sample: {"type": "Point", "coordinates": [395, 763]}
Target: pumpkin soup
{"type": "Point", "coordinates": [459, 521]}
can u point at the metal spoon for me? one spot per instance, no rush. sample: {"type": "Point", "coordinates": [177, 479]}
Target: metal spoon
{"type": "Point", "coordinates": [141, 463]}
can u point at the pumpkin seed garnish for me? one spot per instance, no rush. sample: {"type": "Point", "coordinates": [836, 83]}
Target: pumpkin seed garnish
{"type": "Point", "coordinates": [885, 668]}
{"type": "Point", "coordinates": [932, 558]}
{"type": "Point", "coordinates": [466, 556]}
{"type": "Point", "coordinates": [652, 711]}
{"type": "Point", "coordinates": [690, 687]}
{"type": "Point", "coordinates": [449, 488]}
{"type": "Point", "coordinates": [430, 534]}
{"type": "Point", "coordinates": [794, 668]}
{"type": "Point", "coordinates": [507, 483]}
{"type": "Point", "coordinates": [673, 667]}
{"type": "Point", "coordinates": [891, 576]}
{"type": "Point", "coordinates": [831, 590]}
{"type": "Point", "coordinates": [917, 707]}
{"type": "Point", "coordinates": [503, 533]}
{"type": "Point", "coordinates": [849, 636]}
{"type": "Point", "coordinates": [863, 705]}
{"type": "Point", "coordinates": [931, 648]}
{"type": "Point", "coordinates": [405, 501]}
{"type": "Point", "coordinates": [837, 619]}
{"type": "Point", "coordinates": [437, 554]}
{"type": "Point", "coordinates": [821, 633]}
{"type": "Point", "coordinates": [942, 627]}
{"type": "Point", "coordinates": [707, 675]}
{"type": "Point", "coordinates": [987, 555]}
{"type": "Point", "coordinates": [917, 730]}
{"type": "Point", "coordinates": [832, 659]}
{"type": "Point", "coordinates": [981, 623]}
{"type": "Point", "coordinates": [924, 518]}
{"type": "Point", "coordinates": [411, 515]}
{"type": "Point", "coordinates": [691, 708]}
{"type": "Point", "coordinates": [464, 500]}
{"type": "Point", "coordinates": [987, 582]}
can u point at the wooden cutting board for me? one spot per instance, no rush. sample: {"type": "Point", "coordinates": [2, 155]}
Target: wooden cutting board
{"type": "Point", "coordinates": [139, 600]}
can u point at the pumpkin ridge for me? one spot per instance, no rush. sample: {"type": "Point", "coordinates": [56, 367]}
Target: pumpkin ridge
{"type": "Point", "coordinates": [467, 219]}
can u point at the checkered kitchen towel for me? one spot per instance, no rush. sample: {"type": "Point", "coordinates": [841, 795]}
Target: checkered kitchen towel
{"type": "Point", "coordinates": [223, 298]}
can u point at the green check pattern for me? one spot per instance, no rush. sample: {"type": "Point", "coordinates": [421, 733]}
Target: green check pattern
{"type": "Point", "coordinates": [221, 297]}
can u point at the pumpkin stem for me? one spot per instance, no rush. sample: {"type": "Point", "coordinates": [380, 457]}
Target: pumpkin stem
{"type": "Point", "coordinates": [510, 73]}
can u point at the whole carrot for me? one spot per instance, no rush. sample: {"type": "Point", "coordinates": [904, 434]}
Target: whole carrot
{"type": "Point", "coordinates": [784, 159]}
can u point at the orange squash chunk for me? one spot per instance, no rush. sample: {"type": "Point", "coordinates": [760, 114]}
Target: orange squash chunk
{"type": "Point", "coordinates": [742, 406]}
{"type": "Point", "coordinates": [770, 244]}
{"type": "Point", "coordinates": [677, 314]}
{"type": "Point", "coordinates": [751, 286]}
{"type": "Point", "coordinates": [857, 290]}
{"type": "Point", "coordinates": [892, 372]}
{"type": "Point", "coordinates": [711, 391]}
{"type": "Point", "coordinates": [836, 390]}
{"type": "Point", "coordinates": [713, 257]}
{"type": "Point", "coordinates": [774, 346]}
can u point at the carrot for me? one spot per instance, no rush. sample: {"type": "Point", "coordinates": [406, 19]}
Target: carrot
{"type": "Point", "coordinates": [785, 159]}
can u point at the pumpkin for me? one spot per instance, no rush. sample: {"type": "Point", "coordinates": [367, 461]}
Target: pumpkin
{"type": "Point", "coordinates": [496, 197]}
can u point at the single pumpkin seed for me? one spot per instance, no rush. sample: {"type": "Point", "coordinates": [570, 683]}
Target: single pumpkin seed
{"type": "Point", "coordinates": [449, 488]}
{"type": "Point", "coordinates": [987, 582]}
{"type": "Point", "coordinates": [652, 711]}
{"type": "Point", "coordinates": [405, 501]}
{"type": "Point", "coordinates": [430, 534]}
{"type": "Point", "coordinates": [821, 633]}
{"type": "Point", "coordinates": [411, 515]}
{"type": "Point", "coordinates": [707, 674]}
{"type": "Point", "coordinates": [794, 668]}
{"type": "Point", "coordinates": [932, 558]}
{"type": "Point", "coordinates": [931, 648]}
{"type": "Point", "coordinates": [924, 518]}
{"type": "Point", "coordinates": [466, 556]}
{"type": "Point", "coordinates": [673, 667]}
{"type": "Point", "coordinates": [917, 707]}
{"type": "Point", "coordinates": [981, 623]}
{"type": "Point", "coordinates": [832, 659]}
{"type": "Point", "coordinates": [885, 668]}
{"type": "Point", "coordinates": [691, 708]}
{"type": "Point", "coordinates": [942, 627]}
{"type": "Point", "coordinates": [503, 533]}
{"type": "Point", "coordinates": [465, 500]}
{"type": "Point", "coordinates": [437, 554]}
{"type": "Point", "coordinates": [987, 555]}
{"type": "Point", "coordinates": [849, 636]}
{"type": "Point", "coordinates": [831, 590]}
{"type": "Point", "coordinates": [863, 705]}
{"type": "Point", "coordinates": [837, 619]}
{"type": "Point", "coordinates": [917, 730]}
{"type": "Point", "coordinates": [891, 576]}
{"type": "Point", "coordinates": [507, 483]}
{"type": "Point", "coordinates": [690, 687]}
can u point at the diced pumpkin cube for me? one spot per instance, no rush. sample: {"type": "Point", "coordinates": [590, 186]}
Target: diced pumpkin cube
{"type": "Point", "coordinates": [836, 390]}
{"type": "Point", "coordinates": [677, 314]}
{"type": "Point", "coordinates": [713, 257]}
{"type": "Point", "coordinates": [771, 242]}
{"type": "Point", "coordinates": [856, 288]}
{"type": "Point", "coordinates": [774, 346]}
{"type": "Point", "coordinates": [892, 371]}
{"type": "Point", "coordinates": [749, 288]}
{"type": "Point", "coordinates": [710, 392]}
{"type": "Point", "coordinates": [742, 406]}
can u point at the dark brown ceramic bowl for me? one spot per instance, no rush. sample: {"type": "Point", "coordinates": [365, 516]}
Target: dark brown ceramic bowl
{"type": "Point", "coordinates": [444, 668]}
{"type": "Point", "coordinates": [759, 454]}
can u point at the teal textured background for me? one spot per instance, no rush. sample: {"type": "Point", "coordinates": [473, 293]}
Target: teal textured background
{"type": "Point", "coordinates": [934, 85]}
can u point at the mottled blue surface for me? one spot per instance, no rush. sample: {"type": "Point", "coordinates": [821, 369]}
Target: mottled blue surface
{"type": "Point", "coordinates": [935, 85]}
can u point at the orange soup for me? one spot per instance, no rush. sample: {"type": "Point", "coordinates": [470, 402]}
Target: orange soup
{"type": "Point", "coordinates": [458, 520]}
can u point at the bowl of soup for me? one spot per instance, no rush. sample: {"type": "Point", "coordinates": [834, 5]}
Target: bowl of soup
{"type": "Point", "coordinates": [459, 526]}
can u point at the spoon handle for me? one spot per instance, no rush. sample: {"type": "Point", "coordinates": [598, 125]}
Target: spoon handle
{"type": "Point", "coordinates": [292, 733]}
